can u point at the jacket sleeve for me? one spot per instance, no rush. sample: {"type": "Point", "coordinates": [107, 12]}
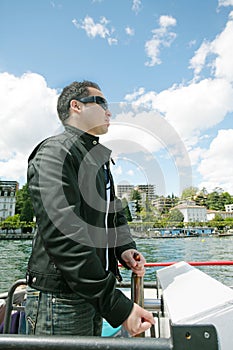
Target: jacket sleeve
{"type": "Point", "coordinates": [53, 184]}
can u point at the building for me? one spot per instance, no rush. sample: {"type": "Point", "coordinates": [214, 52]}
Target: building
{"type": "Point", "coordinates": [146, 191]}
{"type": "Point", "coordinates": [149, 190]}
{"type": "Point", "coordinates": [229, 208]}
{"type": "Point", "coordinates": [8, 191]}
{"type": "Point", "coordinates": [124, 191]}
{"type": "Point", "coordinates": [132, 209]}
{"type": "Point", "coordinates": [224, 214]}
{"type": "Point", "coordinates": [192, 212]}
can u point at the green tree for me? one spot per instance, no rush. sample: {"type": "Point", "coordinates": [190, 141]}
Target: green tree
{"type": "Point", "coordinates": [212, 201]}
{"type": "Point", "coordinates": [217, 199]}
{"type": "Point", "coordinates": [166, 203]}
{"type": "Point", "coordinates": [175, 215]}
{"type": "Point", "coordinates": [226, 198]}
{"type": "Point", "coordinates": [136, 196]}
{"type": "Point", "coordinates": [147, 212]}
{"type": "Point", "coordinates": [201, 197]}
{"type": "Point", "coordinates": [189, 192]}
{"type": "Point", "coordinates": [11, 223]}
{"type": "Point", "coordinates": [126, 209]}
{"type": "Point", "coordinates": [24, 204]}
{"type": "Point", "coordinates": [218, 217]}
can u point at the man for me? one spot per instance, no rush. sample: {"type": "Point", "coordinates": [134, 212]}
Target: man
{"type": "Point", "coordinates": [82, 231]}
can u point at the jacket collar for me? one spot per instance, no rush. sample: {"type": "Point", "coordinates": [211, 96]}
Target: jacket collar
{"type": "Point", "coordinates": [90, 141]}
{"type": "Point", "coordinates": [82, 134]}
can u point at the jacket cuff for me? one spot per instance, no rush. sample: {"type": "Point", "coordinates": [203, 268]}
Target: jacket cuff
{"type": "Point", "coordinates": [120, 310]}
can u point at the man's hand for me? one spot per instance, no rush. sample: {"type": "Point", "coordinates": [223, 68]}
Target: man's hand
{"type": "Point", "coordinates": [135, 261]}
{"type": "Point", "coordinates": [138, 321]}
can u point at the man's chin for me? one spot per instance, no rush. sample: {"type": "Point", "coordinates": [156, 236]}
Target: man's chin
{"type": "Point", "coordinates": [103, 130]}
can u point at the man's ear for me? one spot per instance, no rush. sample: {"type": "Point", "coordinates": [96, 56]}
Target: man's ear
{"type": "Point", "coordinates": [75, 105]}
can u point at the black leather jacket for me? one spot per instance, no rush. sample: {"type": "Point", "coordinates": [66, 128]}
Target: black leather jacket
{"type": "Point", "coordinates": [67, 183]}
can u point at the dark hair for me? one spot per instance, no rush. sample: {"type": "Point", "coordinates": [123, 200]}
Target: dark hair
{"type": "Point", "coordinates": [72, 91]}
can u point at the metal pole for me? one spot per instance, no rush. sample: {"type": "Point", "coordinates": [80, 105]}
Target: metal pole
{"type": "Point", "coordinates": [20, 342]}
{"type": "Point", "coordinates": [137, 290]}
{"type": "Point", "coordinates": [9, 305]}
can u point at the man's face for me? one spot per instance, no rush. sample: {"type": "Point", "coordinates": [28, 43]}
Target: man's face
{"type": "Point", "coordinates": [95, 118]}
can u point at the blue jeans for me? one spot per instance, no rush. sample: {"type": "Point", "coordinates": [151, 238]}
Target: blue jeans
{"type": "Point", "coordinates": [60, 314]}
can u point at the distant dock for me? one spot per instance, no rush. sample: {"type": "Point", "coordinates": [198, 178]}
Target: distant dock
{"type": "Point", "coordinates": [16, 236]}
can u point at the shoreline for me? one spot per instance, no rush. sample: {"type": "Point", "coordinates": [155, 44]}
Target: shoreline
{"type": "Point", "coordinates": [16, 236]}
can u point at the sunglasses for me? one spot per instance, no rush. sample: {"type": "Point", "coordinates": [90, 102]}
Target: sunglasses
{"type": "Point", "coordinates": [94, 99]}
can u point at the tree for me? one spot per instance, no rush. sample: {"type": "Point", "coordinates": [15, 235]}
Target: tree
{"type": "Point", "coordinates": [218, 217]}
{"type": "Point", "coordinates": [11, 223]}
{"type": "Point", "coordinates": [136, 196]}
{"type": "Point", "coordinates": [175, 215]}
{"type": "Point", "coordinates": [147, 213]}
{"type": "Point", "coordinates": [201, 197]}
{"type": "Point", "coordinates": [166, 203]}
{"type": "Point", "coordinates": [189, 192]}
{"type": "Point", "coordinates": [212, 201]}
{"type": "Point", "coordinates": [226, 198]}
{"type": "Point", "coordinates": [24, 204]}
{"type": "Point", "coordinates": [126, 209]}
{"type": "Point", "coordinates": [217, 199]}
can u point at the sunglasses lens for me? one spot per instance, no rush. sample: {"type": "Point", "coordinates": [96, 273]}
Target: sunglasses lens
{"type": "Point", "coordinates": [101, 101]}
{"type": "Point", "coordinates": [95, 99]}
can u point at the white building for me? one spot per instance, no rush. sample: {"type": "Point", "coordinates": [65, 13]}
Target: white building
{"type": "Point", "coordinates": [224, 214]}
{"type": "Point", "coordinates": [7, 198]}
{"type": "Point", "coordinates": [149, 191]}
{"type": "Point", "coordinates": [124, 191]}
{"type": "Point", "coordinates": [192, 212]}
{"type": "Point", "coordinates": [146, 191]}
{"type": "Point", "coordinates": [132, 209]}
{"type": "Point", "coordinates": [229, 208]}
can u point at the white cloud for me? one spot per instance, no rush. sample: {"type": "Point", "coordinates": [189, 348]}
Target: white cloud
{"type": "Point", "coordinates": [189, 111]}
{"type": "Point", "coordinates": [219, 52]}
{"type": "Point", "coordinates": [225, 3]}
{"type": "Point", "coordinates": [54, 5]}
{"type": "Point", "coordinates": [136, 6]}
{"type": "Point", "coordinates": [192, 43]}
{"type": "Point", "coordinates": [129, 31]}
{"type": "Point", "coordinates": [203, 104]}
{"type": "Point", "coordinates": [130, 172]}
{"type": "Point", "coordinates": [195, 155]}
{"type": "Point", "coordinates": [112, 41]}
{"type": "Point", "coordinates": [197, 107]}
{"type": "Point", "coordinates": [161, 37]}
{"type": "Point", "coordinates": [27, 116]}
{"type": "Point", "coordinates": [167, 21]}
{"type": "Point", "coordinates": [94, 30]}
{"type": "Point", "coordinates": [194, 110]}
{"type": "Point", "coordinates": [198, 60]}
{"type": "Point", "coordinates": [146, 133]}
{"type": "Point", "coordinates": [117, 170]}
{"type": "Point", "coordinates": [134, 95]}
{"type": "Point", "coordinates": [152, 48]}
{"type": "Point", "coordinates": [216, 165]}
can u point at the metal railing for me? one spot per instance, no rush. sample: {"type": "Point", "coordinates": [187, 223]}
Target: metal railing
{"type": "Point", "coordinates": [13, 342]}
{"type": "Point", "coordinates": [10, 306]}
{"type": "Point", "coordinates": [183, 337]}
{"type": "Point", "coordinates": [180, 335]}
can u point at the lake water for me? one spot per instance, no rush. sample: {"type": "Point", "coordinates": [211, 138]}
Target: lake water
{"type": "Point", "coordinates": [14, 256]}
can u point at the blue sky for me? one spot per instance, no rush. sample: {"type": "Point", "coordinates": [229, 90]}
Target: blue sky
{"type": "Point", "coordinates": [165, 67]}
